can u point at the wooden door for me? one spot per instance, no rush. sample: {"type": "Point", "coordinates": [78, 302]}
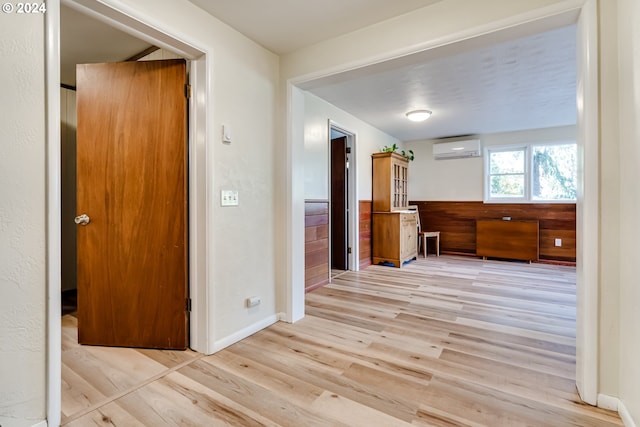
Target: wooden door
{"type": "Point", "coordinates": [339, 203]}
{"type": "Point", "coordinates": [132, 184]}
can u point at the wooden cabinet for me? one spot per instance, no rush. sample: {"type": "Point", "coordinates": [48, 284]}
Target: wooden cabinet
{"type": "Point", "coordinates": [394, 238]}
{"type": "Point", "coordinates": [507, 239]}
{"type": "Point", "coordinates": [390, 174]}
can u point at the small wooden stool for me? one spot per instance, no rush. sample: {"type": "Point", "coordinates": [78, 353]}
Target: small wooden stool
{"type": "Point", "coordinates": [425, 235]}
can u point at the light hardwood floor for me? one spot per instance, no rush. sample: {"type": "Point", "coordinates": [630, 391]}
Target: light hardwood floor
{"type": "Point", "coordinates": [443, 341]}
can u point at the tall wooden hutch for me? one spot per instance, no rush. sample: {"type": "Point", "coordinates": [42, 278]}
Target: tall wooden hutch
{"type": "Point", "coordinates": [394, 226]}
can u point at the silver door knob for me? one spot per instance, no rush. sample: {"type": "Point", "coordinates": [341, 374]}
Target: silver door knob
{"type": "Point", "coordinates": [82, 219]}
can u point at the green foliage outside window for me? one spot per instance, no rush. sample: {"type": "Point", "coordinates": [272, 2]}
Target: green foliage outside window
{"type": "Point", "coordinates": [507, 173]}
{"type": "Point", "coordinates": [551, 175]}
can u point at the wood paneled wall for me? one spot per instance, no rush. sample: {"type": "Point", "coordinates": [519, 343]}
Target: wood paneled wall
{"type": "Point", "coordinates": [364, 232]}
{"type": "Point", "coordinates": [456, 222]}
{"type": "Point", "coordinates": [316, 243]}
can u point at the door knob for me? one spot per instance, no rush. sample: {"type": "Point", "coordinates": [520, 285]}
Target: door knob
{"type": "Point", "coordinates": [82, 219]}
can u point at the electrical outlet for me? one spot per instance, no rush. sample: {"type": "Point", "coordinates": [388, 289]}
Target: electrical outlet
{"type": "Point", "coordinates": [558, 242]}
{"type": "Point", "coordinates": [228, 198]}
{"type": "Point", "coordinates": [253, 301]}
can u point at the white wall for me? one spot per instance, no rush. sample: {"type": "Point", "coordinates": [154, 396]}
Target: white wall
{"type": "Point", "coordinates": [629, 83]}
{"type": "Point", "coordinates": [22, 220]}
{"type": "Point", "coordinates": [463, 179]}
{"type": "Point", "coordinates": [316, 147]}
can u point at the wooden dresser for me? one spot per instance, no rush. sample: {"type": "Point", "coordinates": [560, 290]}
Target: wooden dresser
{"type": "Point", "coordinates": [507, 239]}
{"type": "Point", "coordinates": [394, 233]}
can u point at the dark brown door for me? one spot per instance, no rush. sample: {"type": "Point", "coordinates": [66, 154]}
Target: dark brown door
{"type": "Point", "coordinates": [339, 203]}
{"type": "Point", "coordinates": [132, 184]}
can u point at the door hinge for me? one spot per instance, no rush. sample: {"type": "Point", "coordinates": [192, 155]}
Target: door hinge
{"type": "Point", "coordinates": [187, 91]}
{"type": "Point", "coordinates": [348, 250]}
{"type": "Point", "coordinates": [188, 305]}
{"type": "Point", "coordinates": [348, 150]}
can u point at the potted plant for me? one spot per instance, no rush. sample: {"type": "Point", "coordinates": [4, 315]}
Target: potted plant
{"type": "Point", "coordinates": [394, 149]}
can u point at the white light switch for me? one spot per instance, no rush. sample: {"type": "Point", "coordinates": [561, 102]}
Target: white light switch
{"type": "Point", "coordinates": [226, 134]}
{"type": "Point", "coordinates": [228, 198]}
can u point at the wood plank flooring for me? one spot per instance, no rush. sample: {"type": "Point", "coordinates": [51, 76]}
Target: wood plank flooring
{"type": "Point", "coordinates": [444, 341]}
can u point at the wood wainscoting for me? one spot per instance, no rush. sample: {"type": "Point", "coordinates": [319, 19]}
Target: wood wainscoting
{"type": "Point", "coordinates": [364, 232]}
{"type": "Point", "coordinates": [316, 244]}
{"type": "Point", "coordinates": [316, 241]}
{"type": "Point", "coordinates": [456, 222]}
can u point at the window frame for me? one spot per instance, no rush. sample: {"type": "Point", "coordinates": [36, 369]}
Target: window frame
{"type": "Point", "coordinates": [528, 172]}
{"type": "Point", "coordinates": [488, 174]}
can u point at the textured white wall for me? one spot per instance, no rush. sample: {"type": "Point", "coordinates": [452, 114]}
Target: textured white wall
{"type": "Point", "coordinates": [463, 179]}
{"type": "Point", "coordinates": [316, 155]}
{"type": "Point", "coordinates": [22, 220]}
{"type": "Point", "coordinates": [629, 81]}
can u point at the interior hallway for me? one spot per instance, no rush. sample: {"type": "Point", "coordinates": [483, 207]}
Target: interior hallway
{"type": "Point", "coordinates": [444, 341]}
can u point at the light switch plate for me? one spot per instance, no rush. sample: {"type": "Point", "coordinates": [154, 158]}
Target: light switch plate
{"type": "Point", "coordinates": [228, 198]}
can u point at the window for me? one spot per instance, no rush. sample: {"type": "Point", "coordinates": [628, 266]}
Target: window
{"type": "Point", "coordinates": [507, 173]}
{"type": "Point", "coordinates": [531, 173]}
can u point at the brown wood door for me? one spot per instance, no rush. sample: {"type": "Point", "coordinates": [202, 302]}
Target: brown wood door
{"type": "Point", "coordinates": [132, 183]}
{"type": "Point", "coordinates": [339, 203]}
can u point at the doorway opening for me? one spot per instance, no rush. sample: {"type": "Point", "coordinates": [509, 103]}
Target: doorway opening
{"type": "Point", "coordinates": [587, 226]}
{"type": "Point", "coordinates": [342, 224]}
{"type": "Point", "coordinates": [144, 28]}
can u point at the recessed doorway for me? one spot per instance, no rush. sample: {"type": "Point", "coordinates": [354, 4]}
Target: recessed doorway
{"type": "Point", "coordinates": [342, 225]}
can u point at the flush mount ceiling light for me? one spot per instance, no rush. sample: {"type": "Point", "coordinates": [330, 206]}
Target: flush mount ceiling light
{"type": "Point", "coordinates": [418, 115]}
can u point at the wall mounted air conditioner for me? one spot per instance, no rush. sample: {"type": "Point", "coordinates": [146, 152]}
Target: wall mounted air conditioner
{"type": "Point", "coordinates": [457, 149]}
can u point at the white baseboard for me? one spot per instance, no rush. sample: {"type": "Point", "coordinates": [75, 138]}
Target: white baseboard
{"type": "Point", "coordinates": [608, 402]}
{"type": "Point", "coordinates": [41, 424]}
{"type": "Point", "coordinates": [242, 334]}
{"type": "Point", "coordinates": [625, 415]}
{"type": "Point", "coordinates": [614, 404]}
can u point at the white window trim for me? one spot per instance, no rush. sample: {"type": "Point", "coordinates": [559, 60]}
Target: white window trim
{"type": "Point", "coordinates": [487, 181]}
{"type": "Point", "coordinates": [528, 149]}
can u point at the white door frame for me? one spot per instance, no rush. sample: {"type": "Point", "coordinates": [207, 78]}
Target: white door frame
{"type": "Point", "coordinates": [354, 212]}
{"type": "Point", "coordinates": [200, 173]}
{"type": "Point", "coordinates": [588, 205]}
{"type": "Point", "coordinates": [587, 226]}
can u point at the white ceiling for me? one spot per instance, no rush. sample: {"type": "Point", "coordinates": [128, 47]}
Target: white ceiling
{"type": "Point", "coordinates": [486, 86]}
{"type": "Point", "coordinates": [84, 40]}
{"type": "Point", "coordinates": [284, 26]}
{"type": "Point", "coordinates": [525, 83]}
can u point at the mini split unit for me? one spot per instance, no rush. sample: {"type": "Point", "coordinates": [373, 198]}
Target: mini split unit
{"type": "Point", "coordinates": [456, 149]}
